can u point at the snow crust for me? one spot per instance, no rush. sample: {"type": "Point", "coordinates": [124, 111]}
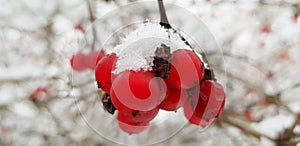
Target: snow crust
{"type": "Point", "coordinates": [136, 51]}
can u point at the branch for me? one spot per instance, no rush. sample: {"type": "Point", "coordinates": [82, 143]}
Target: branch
{"type": "Point", "coordinates": [91, 15]}
{"type": "Point", "coordinates": [288, 137]}
{"type": "Point", "coordinates": [243, 127]}
{"type": "Point", "coordinates": [297, 122]}
{"type": "Point", "coordinates": [92, 19]}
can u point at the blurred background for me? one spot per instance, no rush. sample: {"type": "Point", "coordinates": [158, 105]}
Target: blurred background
{"type": "Point", "coordinates": [42, 99]}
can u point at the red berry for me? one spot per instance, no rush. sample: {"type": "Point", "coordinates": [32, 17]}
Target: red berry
{"type": "Point", "coordinates": [40, 94]}
{"type": "Point", "coordinates": [100, 55]}
{"type": "Point", "coordinates": [284, 56]}
{"type": "Point", "coordinates": [78, 62]}
{"type": "Point", "coordinates": [90, 59]}
{"type": "Point", "coordinates": [80, 28]}
{"type": "Point", "coordinates": [118, 104]}
{"type": "Point", "coordinates": [103, 72]}
{"type": "Point", "coordinates": [140, 116]}
{"type": "Point", "coordinates": [131, 127]}
{"type": "Point", "coordinates": [248, 115]}
{"type": "Point", "coordinates": [266, 29]}
{"type": "Point", "coordinates": [187, 69]}
{"type": "Point", "coordinates": [209, 105]}
{"type": "Point", "coordinates": [174, 100]}
{"type": "Point", "coordinates": [140, 91]}
{"type": "Point", "coordinates": [4, 130]}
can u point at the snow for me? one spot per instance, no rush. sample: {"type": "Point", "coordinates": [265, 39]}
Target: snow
{"type": "Point", "coordinates": [137, 49]}
{"type": "Point", "coordinates": [274, 125]}
{"type": "Point", "coordinates": [20, 71]}
{"type": "Point", "coordinates": [23, 110]}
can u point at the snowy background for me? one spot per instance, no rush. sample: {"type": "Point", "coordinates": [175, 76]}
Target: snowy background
{"type": "Point", "coordinates": [258, 64]}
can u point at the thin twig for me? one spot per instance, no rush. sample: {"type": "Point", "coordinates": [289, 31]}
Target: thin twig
{"type": "Point", "coordinates": [244, 128]}
{"type": "Point", "coordinates": [91, 14]}
{"type": "Point", "coordinates": [288, 137]}
{"type": "Point", "coordinates": [92, 19]}
{"type": "Point", "coordinates": [297, 122]}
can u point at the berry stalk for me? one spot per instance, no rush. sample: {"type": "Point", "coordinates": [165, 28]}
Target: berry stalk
{"type": "Point", "coordinates": [163, 16]}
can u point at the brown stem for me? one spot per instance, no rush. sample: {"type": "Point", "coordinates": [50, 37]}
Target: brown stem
{"type": "Point", "coordinates": [92, 19]}
{"type": "Point", "coordinates": [244, 128]}
{"type": "Point", "coordinates": [297, 122]}
{"type": "Point", "coordinates": [91, 15]}
{"type": "Point", "coordinates": [163, 16]}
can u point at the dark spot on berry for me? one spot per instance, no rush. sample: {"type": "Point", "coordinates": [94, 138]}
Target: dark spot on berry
{"type": "Point", "coordinates": [134, 114]}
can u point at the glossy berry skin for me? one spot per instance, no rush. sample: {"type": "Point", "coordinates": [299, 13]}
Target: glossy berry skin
{"type": "Point", "coordinates": [103, 72]}
{"type": "Point", "coordinates": [100, 55]}
{"type": "Point", "coordinates": [131, 127]}
{"type": "Point", "coordinates": [139, 90]}
{"type": "Point", "coordinates": [120, 106]}
{"type": "Point", "coordinates": [187, 69]}
{"type": "Point", "coordinates": [209, 106]}
{"type": "Point", "coordinates": [78, 62]}
{"type": "Point", "coordinates": [90, 59]}
{"type": "Point", "coordinates": [140, 116]}
{"type": "Point", "coordinates": [174, 100]}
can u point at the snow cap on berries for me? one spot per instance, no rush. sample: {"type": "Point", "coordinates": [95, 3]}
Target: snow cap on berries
{"type": "Point", "coordinates": [137, 49]}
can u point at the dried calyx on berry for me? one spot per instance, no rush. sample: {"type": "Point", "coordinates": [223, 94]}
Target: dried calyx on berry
{"type": "Point", "coordinates": [107, 104]}
{"type": "Point", "coordinates": [209, 74]}
{"type": "Point", "coordinates": [162, 61]}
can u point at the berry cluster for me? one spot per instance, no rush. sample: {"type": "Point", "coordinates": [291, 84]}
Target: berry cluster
{"type": "Point", "coordinates": [178, 79]}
